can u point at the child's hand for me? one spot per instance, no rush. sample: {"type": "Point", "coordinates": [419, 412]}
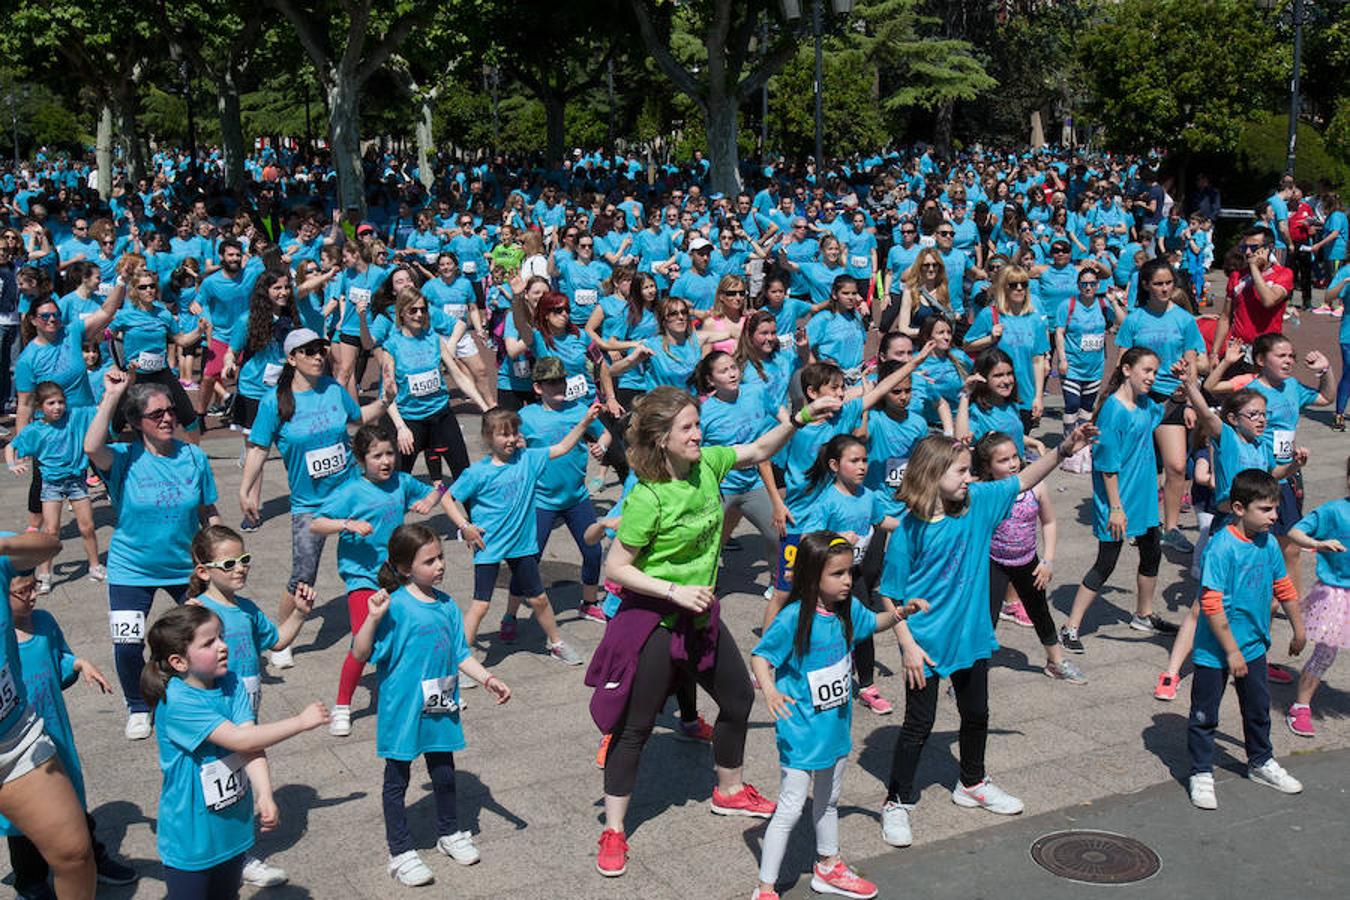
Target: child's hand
{"type": "Point", "coordinates": [1081, 436]}
{"type": "Point", "coordinates": [1317, 362]}
{"type": "Point", "coordinates": [1297, 642]}
{"type": "Point", "coordinates": [473, 536]}
{"type": "Point", "coordinates": [268, 817]}
{"type": "Point", "coordinates": [780, 706]}
{"type": "Point", "coordinates": [360, 527]}
{"type": "Point", "coordinates": [19, 466]}
{"type": "Point", "coordinates": [917, 605]}
{"type": "Point", "coordinates": [377, 604]}
{"type": "Point", "coordinates": [1237, 666]}
{"type": "Point", "coordinates": [592, 413]}
{"type": "Point", "coordinates": [406, 441]}
{"type": "Point", "coordinates": [304, 598]}
{"type": "Point", "coordinates": [313, 716]}
{"type": "Point", "coordinates": [973, 379]}
{"type": "Point", "coordinates": [914, 658]}
{"type": "Point", "coordinates": [498, 689]}
{"type": "Point", "coordinates": [426, 504]}
{"type": "Point", "coordinates": [850, 536]}
{"type": "Point", "coordinates": [1331, 546]}
{"type": "Point", "coordinates": [1300, 457]}
{"type": "Point", "coordinates": [1234, 352]}
{"type": "Point", "coordinates": [1044, 572]}
{"type": "Point", "coordinates": [1116, 524]}
{"type": "Point", "coordinates": [598, 450]}
{"type": "Point", "coordinates": [824, 406]}
{"type": "Point", "coordinates": [92, 676]}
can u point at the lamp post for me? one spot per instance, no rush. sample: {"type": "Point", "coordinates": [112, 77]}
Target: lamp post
{"type": "Point", "coordinates": [1297, 14]}
{"type": "Point", "coordinates": [792, 11]}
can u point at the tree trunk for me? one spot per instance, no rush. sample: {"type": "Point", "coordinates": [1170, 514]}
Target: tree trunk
{"type": "Point", "coordinates": [231, 129]}
{"type": "Point", "coordinates": [125, 99]}
{"type": "Point", "coordinates": [424, 141]}
{"type": "Point", "coordinates": [942, 128]}
{"type": "Point", "coordinates": [344, 134]}
{"type": "Point", "coordinates": [103, 150]}
{"type": "Point", "coordinates": [723, 152]}
{"type": "Point", "coordinates": [555, 114]}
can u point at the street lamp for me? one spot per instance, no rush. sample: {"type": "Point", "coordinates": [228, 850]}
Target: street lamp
{"type": "Point", "coordinates": [1297, 15]}
{"type": "Point", "coordinates": [792, 11]}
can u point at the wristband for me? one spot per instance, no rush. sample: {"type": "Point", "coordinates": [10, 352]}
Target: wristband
{"type": "Point", "coordinates": [1117, 509]}
{"type": "Point", "coordinates": [670, 592]}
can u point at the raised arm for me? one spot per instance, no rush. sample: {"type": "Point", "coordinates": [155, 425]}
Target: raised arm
{"type": "Point", "coordinates": [771, 441]}
{"type": "Point", "coordinates": [1037, 471]}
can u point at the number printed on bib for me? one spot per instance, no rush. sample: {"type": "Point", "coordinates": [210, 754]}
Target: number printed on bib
{"type": "Point", "coordinates": [127, 626]}
{"type": "Point", "coordinates": [224, 781]}
{"type": "Point", "coordinates": [105, 289]}
{"type": "Point", "coordinates": [150, 361]}
{"type": "Point", "coordinates": [438, 695]}
{"type": "Point", "coordinates": [520, 367]}
{"type": "Point", "coordinates": [326, 461]}
{"type": "Point", "coordinates": [587, 296]}
{"type": "Point", "coordinates": [1091, 342]}
{"type": "Point", "coordinates": [271, 372]}
{"type": "Point", "coordinates": [895, 471]}
{"type": "Point", "coordinates": [358, 295]}
{"type": "Point", "coordinates": [424, 384]}
{"type": "Point", "coordinates": [830, 686]}
{"type": "Point", "coordinates": [9, 693]}
{"type": "Point", "coordinates": [786, 340]}
{"type": "Point", "coordinates": [859, 262]}
{"type": "Point", "coordinates": [860, 548]}
{"type": "Point", "coordinates": [470, 267]}
{"type": "Point", "coordinates": [576, 387]}
{"type": "Point", "coordinates": [455, 311]}
{"type": "Point", "coordinates": [1284, 444]}
{"type": "Point", "coordinates": [253, 687]}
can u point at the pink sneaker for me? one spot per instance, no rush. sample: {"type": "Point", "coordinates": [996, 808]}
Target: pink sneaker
{"type": "Point", "coordinates": [841, 880]}
{"type": "Point", "coordinates": [1300, 721]}
{"type": "Point", "coordinates": [748, 802]}
{"type": "Point", "coordinates": [1278, 675]}
{"type": "Point", "coordinates": [871, 698]}
{"type": "Point", "coordinates": [594, 613]}
{"type": "Point", "coordinates": [1016, 613]}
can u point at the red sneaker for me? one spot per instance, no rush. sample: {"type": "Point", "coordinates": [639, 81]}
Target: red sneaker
{"type": "Point", "coordinates": [697, 730]}
{"type": "Point", "coordinates": [612, 860]}
{"type": "Point", "coordinates": [841, 880]}
{"type": "Point", "coordinates": [747, 802]}
{"type": "Point", "coordinates": [602, 752]}
{"type": "Point", "coordinates": [1166, 689]}
{"type": "Point", "coordinates": [1278, 675]}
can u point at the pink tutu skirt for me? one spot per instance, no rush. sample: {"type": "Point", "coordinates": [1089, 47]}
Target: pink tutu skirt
{"type": "Point", "coordinates": [1326, 615]}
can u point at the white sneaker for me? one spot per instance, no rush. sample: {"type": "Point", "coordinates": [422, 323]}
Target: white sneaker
{"type": "Point", "coordinates": [895, 828]}
{"type": "Point", "coordinates": [409, 870]}
{"type": "Point", "coordinates": [138, 726]}
{"type": "Point", "coordinates": [1272, 774]}
{"type": "Point", "coordinates": [283, 659]}
{"type": "Point", "coordinates": [459, 847]}
{"type": "Point", "coordinates": [1202, 791]}
{"type": "Point", "coordinates": [340, 723]}
{"type": "Point", "coordinates": [98, 573]}
{"type": "Point", "coordinates": [260, 874]}
{"type": "Point", "coordinates": [986, 795]}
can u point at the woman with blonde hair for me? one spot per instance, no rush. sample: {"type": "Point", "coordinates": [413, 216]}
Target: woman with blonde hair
{"type": "Point", "coordinates": [925, 292]}
{"type": "Point", "coordinates": [722, 328]}
{"type": "Point", "coordinates": [1012, 323]}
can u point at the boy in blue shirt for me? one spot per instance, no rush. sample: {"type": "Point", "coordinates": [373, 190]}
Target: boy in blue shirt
{"type": "Point", "coordinates": [1243, 569]}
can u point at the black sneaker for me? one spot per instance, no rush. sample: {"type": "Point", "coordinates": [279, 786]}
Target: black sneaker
{"type": "Point", "coordinates": [1068, 639]}
{"type": "Point", "coordinates": [247, 526]}
{"type": "Point", "coordinates": [1161, 625]}
{"type": "Point", "coordinates": [110, 871]}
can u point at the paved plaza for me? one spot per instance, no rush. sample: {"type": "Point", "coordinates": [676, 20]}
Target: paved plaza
{"type": "Point", "coordinates": [528, 787]}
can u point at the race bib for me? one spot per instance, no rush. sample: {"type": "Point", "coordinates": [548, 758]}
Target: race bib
{"type": "Point", "coordinates": [520, 367]}
{"type": "Point", "coordinates": [253, 687]}
{"type": "Point", "coordinates": [830, 686]}
{"type": "Point", "coordinates": [853, 376]}
{"type": "Point", "coordinates": [786, 340]}
{"type": "Point", "coordinates": [430, 256]}
{"type": "Point", "coordinates": [105, 289]}
{"type": "Point", "coordinates": [860, 548]}
{"type": "Point", "coordinates": [895, 472]}
{"type": "Point", "coordinates": [586, 297]}
{"type": "Point", "coordinates": [271, 372]}
{"type": "Point", "coordinates": [9, 693]}
{"type": "Point", "coordinates": [358, 295]}
{"type": "Point", "coordinates": [470, 267]}
{"type": "Point", "coordinates": [576, 387]}
{"type": "Point", "coordinates": [455, 310]}
{"type": "Point", "coordinates": [127, 626]}
{"type": "Point", "coordinates": [326, 461]}
{"type": "Point", "coordinates": [424, 384]}
{"type": "Point", "coordinates": [438, 696]}
{"type": "Point", "coordinates": [224, 782]}
{"type": "Point", "coordinates": [1091, 342]}
{"type": "Point", "coordinates": [150, 361]}
{"type": "Point", "coordinates": [1284, 444]}
{"type": "Point", "coordinates": [858, 262]}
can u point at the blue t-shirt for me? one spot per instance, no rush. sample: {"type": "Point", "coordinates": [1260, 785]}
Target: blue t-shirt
{"type": "Point", "coordinates": [1283, 405]}
{"type": "Point", "coordinates": [698, 289]}
{"type": "Point", "coordinates": [359, 286]}
{"type": "Point", "coordinates": [741, 421]}
{"type": "Point", "coordinates": [818, 278]}
{"type": "Point", "coordinates": [13, 703]}
{"type": "Point", "coordinates": [500, 500]}
{"type": "Point", "coordinates": [817, 732]}
{"type": "Point", "coordinates": [785, 319]}
{"type": "Point", "coordinates": [1125, 447]}
{"type": "Point", "coordinates": [860, 247]}
{"type": "Point", "coordinates": [1244, 570]}
{"type": "Point", "coordinates": [145, 336]}
{"type": "Point", "coordinates": [581, 284]}
{"type": "Point", "coordinates": [778, 371]}
{"type": "Point", "coordinates": [453, 299]}
{"type": "Point", "coordinates": [157, 500]}
{"type": "Point", "coordinates": [1002, 417]}
{"type": "Point", "coordinates": [1169, 334]}
{"type": "Point", "coordinates": [247, 632]}
{"type": "Point", "coordinates": [671, 366]}
{"type": "Point", "coordinates": [838, 338]}
{"type": "Point", "coordinates": [946, 562]}
{"type": "Point", "coordinates": [943, 380]}
{"type": "Point", "coordinates": [835, 509]}
{"type": "Point", "coordinates": [513, 374]}
{"type": "Point", "coordinates": [205, 799]}
{"type": "Point", "coordinates": [46, 665]}
{"type": "Point", "coordinates": [314, 443]}
{"type": "Point", "coordinates": [1024, 338]}
{"type": "Point", "coordinates": [225, 301]}
{"type": "Point", "coordinates": [61, 362]}
{"type": "Point", "coordinates": [57, 446]}
{"type": "Point", "coordinates": [801, 451]}
{"type": "Point", "coordinates": [417, 372]}
{"type": "Point", "coordinates": [1233, 454]}
{"type": "Point", "coordinates": [898, 261]}
{"type": "Point", "coordinates": [382, 504]}
{"type": "Point", "coordinates": [571, 349]}
{"type": "Point", "coordinates": [1084, 338]}
{"type": "Point", "coordinates": [417, 651]}
{"type": "Point", "coordinates": [259, 372]}
{"type": "Point", "coordinates": [563, 484]}
{"type": "Point", "coordinates": [889, 445]}
{"type": "Point", "coordinates": [1328, 521]}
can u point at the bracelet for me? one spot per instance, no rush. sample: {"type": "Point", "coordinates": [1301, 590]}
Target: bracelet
{"type": "Point", "coordinates": [346, 525]}
{"type": "Point", "coordinates": [803, 417]}
{"type": "Point", "coordinates": [670, 592]}
{"type": "Point", "coordinates": [1117, 509]}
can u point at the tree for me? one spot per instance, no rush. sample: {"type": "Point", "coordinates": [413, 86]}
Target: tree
{"type": "Point", "coordinates": [348, 41]}
{"type": "Point", "coordinates": [730, 67]}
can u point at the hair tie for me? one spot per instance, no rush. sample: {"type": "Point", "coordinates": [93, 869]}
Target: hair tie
{"type": "Point", "coordinates": [837, 541]}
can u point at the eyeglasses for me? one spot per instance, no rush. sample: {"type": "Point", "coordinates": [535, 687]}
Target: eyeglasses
{"type": "Point", "coordinates": [157, 415]}
{"type": "Point", "coordinates": [1059, 249]}
{"type": "Point", "coordinates": [1087, 284]}
{"type": "Point", "coordinates": [47, 316]}
{"type": "Point", "coordinates": [416, 310]}
{"type": "Point", "coordinates": [1253, 415]}
{"type": "Point", "coordinates": [585, 244]}
{"type": "Point", "coordinates": [228, 564]}
{"type": "Point", "coordinates": [678, 314]}
{"type": "Point", "coordinates": [929, 266]}
{"type": "Point", "coordinates": [909, 231]}
{"type": "Point", "coordinates": [311, 350]}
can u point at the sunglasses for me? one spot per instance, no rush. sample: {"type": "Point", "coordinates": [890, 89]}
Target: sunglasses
{"type": "Point", "coordinates": [315, 349]}
{"type": "Point", "coordinates": [929, 266]}
{"type": "Point", "coordinates": [229, 564]}
{"type": "Point", "coordinates": [48, 316]}
{"type": "Point", "coordinates": [734, 293]}
{"type": "Point", "coordinates": [1017, 285]}
{"type": "Point", "coordinates": [1252, 248]}
{"type": "Point", "coordinates": [678, 314]}
{"type": "Point", "coordinates": [555, 310]}
{"type": "Point", "coordinates": [1087, 284]}
{"type": "Point", "coordinates": [946, 234]}
{"type": "Point", "coordinates": [416, 310]}
{"type": "Point", "coordinates": [157, 415]}
{"type": "Point", "coordinates": [146, 287]}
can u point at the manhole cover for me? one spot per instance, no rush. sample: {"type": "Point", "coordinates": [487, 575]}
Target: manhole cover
{"type": "Point", "coordinates": [1095, 857]}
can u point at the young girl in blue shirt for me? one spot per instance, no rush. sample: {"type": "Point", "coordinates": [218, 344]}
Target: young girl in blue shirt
{"type": "Point", "coordinates": [415, 637]}
{"type": "Point", "coordinates": [803, 665]}
{"type": "Point", "coordinates": [991, 403]}
{"type": "Point", "coordinates": [939, 553]}
{"type": "Point", "coordinates": [211, 752]}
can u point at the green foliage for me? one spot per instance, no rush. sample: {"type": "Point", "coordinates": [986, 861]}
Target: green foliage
{"type": "Point", "coordinates": [917, 67]}
{"type": "Point", "coordinates": [1261, 152]}
{"type": "Point", "coordinates": [1180, 74]}
{"type": "Point", "coordinates": [1338, 132]}
{"type": "Point", "coordinates": [852, 117]}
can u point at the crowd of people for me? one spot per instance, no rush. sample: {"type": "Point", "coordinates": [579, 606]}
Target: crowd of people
{"type": "Point", "coordinates": [858, 363]}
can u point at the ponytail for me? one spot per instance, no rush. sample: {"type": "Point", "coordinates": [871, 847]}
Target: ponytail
{"type": "Point", "coordinates": [388, 579]}
{"type": "Point", "coordinates": [171, 635]}
{"type": "Point", "coordinates": [285, 394]}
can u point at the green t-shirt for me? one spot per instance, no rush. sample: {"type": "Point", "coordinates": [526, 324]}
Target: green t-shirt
{"type": "Point", "coordinates": [676, 526]}
{"type": "Point", "coordinates": [508, 256]}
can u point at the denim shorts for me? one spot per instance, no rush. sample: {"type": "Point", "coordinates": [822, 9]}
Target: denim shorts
{"type": "Point", "coordinates": [306, 548]}
{"type": "Point", "coordinates": [24, 747]}
{"type": "Point", "coordinates": [70, 488]}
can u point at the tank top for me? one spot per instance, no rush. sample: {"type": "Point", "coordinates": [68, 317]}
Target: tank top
{"type": "Point", "coordinates": [1014, 541]}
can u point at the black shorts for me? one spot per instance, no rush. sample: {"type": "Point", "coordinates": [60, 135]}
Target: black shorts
{"type": "Point", "coordinates": [245, 411]}
{"type": "Point", "coordinates": [1176, 415]}
{"type": "Point", "coordinates": [351, 340]}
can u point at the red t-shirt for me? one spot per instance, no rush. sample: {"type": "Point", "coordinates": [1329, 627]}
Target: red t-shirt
{"type": "Point", "coordinates": [1250, 318]}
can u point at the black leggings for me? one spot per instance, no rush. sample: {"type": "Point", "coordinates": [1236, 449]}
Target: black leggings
{"type": "Point", "coordinates": [35, 490]}
{"type": "Point", "coordinates": [1023, 579]}
{"type": "Point", "coordinates": [972, 701]}
{"type": "Point", "coordinates": [439, 438]}
{"type": "Point", "coordinates": [182, 404]}
{"type": "Point", "coordinates": [1150, 557]}
{"type": "Point", "coordinates": [866, 576]}
{"type": "Point", "coordinates": [615, 455]}
{"type": "Point", "coordinates": [727, 681]}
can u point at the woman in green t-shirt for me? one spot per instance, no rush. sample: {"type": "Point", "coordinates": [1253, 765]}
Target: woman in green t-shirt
{"type": "Point", "coordinates": [665, 559]}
